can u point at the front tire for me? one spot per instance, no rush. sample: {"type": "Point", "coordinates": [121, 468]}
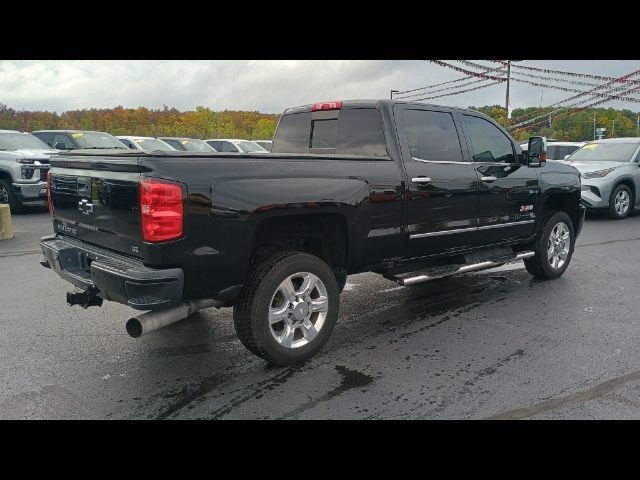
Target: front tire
{"type": "Point", "coordinates": [8, 197]}
{"type": "Point", "coordinates": [553, 247]}
{"type": "Point", "coordinates": [288, 308]}
{"type": "Point", "coordinates": [620, 202]}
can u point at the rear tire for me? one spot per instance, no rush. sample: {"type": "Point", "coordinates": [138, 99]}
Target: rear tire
{"type": "Point", "coordinates": [8, 197]}
{"type": "Point", "coordinates": [278, 317]}
{"type": "Point", "coordinates": [553, 247]}
{"type": "Point", "coordinates": [620, 203]}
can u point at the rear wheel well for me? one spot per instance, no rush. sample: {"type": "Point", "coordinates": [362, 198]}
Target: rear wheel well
{"type": "Point", "coordinates": [565, 202]}
{"type": "Point", "coordinates": [321, 235]}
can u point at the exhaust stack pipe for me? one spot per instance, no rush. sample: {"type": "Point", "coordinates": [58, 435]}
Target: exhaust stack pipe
{"type": "Point", "coordinates": [150, 321]}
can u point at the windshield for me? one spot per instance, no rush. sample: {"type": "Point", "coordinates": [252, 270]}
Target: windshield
{"type": "Point", "coordinates": [603, 152]}
{"type": "Point", "coordinates": [193, 145]}
{"type": "Point", "coordinates": [97, 140]}
{"type": "Point", "coordinates": [247, 147]}
{"type": "Point", "coordinates": [153, 144]}
{"type": "Point", "coordinates": [19, 141]}
{"type": "Point", "coordinates": [558, 152]}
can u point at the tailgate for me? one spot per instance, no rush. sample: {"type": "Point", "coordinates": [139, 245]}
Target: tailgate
{"type": "Point", "coordinates": [95, 199]}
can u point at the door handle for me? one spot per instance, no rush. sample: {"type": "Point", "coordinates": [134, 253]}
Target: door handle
{"type": "Point", "coordinates": [490, 179]}
{"type": "Point", "coordinates": [421, 180]}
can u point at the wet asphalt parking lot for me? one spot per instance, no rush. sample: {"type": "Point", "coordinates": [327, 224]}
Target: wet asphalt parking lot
{"type": "Point", "coordinates": [494, 344]}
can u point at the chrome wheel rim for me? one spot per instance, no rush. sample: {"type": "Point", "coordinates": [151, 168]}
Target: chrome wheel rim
{"type": "Point", "coordinates": [4, 195]}
{"type": "Point", "coordinates": [558, 245]}
{"type": "Point", "coordinates": [298, 310]}
{"type": "Point", "coordinates": [622, 202]}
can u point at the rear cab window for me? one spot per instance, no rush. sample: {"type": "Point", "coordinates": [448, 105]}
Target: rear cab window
{"type": "Point", "coordinates": [348, 131]}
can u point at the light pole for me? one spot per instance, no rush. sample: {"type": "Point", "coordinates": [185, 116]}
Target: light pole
{"type": "Point", "coordinates": [506, 105]}
{"type": "Point", "coordinates": [392, 92]}
{"type": "Point", "coordinates": [613, 129]}
{"type": "Point", "coordinates": [594, 124]}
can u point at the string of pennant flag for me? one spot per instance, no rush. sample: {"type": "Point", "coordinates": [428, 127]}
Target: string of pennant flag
{"type": "Point", "coordinates": [613, 88]}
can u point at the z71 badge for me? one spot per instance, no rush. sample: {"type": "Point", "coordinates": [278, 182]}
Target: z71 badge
{"type": "Point", "coordinates": [526, 208]}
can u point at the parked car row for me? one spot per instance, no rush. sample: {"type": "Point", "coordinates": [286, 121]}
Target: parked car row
{"type": "Point", "coordinates": [77, 139]}
{"type": "Point", "coordinates": [24, 157]}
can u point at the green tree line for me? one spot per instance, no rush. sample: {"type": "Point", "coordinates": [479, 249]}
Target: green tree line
{"type": "Point", "coordinates": [575, 127]}
{"type": "Point", "coordinates": [200, 123]}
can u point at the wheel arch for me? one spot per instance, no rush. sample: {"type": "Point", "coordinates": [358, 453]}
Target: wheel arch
{"type": "Point", "coordinates": [5, 174]}
{"type": "Point", "coordinates": [324, 235]}
{"type": "Point", "coordinates": [628, 181]}
{"type": "Point", "coordinates": [568, 202]}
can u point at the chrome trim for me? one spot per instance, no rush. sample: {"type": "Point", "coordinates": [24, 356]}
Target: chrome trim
{"type": "Point", "coordinates": [445, 162]}
{"type": "Point", "coordinates": [421, 180]}
{"type": "Point", "coordinates": [494, 164]}
{"type": "Point", "coordinates": [489, 179]}
{"type": "Point", "coordinates": [442, 232]}
{"type": "Point", "coordinates": [510, 224]}
{"type": "Point", "coordinates": [470, 229]}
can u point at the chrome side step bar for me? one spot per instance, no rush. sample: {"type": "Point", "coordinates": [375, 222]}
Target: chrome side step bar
{"type": "Point", "coordinates": [426, 276]}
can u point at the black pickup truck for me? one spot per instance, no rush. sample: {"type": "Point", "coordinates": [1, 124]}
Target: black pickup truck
{"type": "Point", "coordinates": [413, 192]}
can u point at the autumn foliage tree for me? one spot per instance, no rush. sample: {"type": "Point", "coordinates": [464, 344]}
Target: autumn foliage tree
{"type": "Point", "coordinates": [200, 123]}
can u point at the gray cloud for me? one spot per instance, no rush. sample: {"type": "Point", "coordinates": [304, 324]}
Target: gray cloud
{"type": "Point", "coordinates": [263, 85]}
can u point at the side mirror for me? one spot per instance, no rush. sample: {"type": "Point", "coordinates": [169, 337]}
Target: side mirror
{"type": "Point", "coordinates": [566, 156]}
{"type": "Point", "coordinates": [537, 152]}
{"type": "Point", "coordinates": [60, 146]}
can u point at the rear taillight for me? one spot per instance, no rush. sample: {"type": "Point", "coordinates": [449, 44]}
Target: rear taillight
{"type": "Point", "coordinates": [161, 210]}
{"type": "Point", "coordinates": [49, 201]}
{"type": "Point", "coordinates": [326, 106]}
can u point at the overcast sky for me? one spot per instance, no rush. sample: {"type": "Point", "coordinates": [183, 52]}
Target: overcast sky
{"type": "Point", "coordinates": [263, 85]}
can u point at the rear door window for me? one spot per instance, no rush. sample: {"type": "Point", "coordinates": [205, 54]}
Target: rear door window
{"type": "Point", "coordinates": [432, 136]}
{"type": "Point", "coordinates": [356, 131]}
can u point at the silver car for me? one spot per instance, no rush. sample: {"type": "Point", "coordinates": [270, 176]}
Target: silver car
{"type": "Point", "coordinates": [610, 171]}
{"type": "Point", "coordinates": [147, 144]}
